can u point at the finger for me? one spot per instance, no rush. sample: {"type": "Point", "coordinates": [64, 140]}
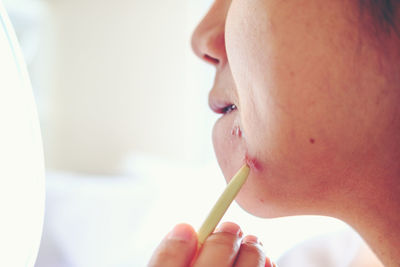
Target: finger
{"type": "Point", "coordinates": [251, 253]}
{"type": "Point", "coordinates": [220, 248]}
{"type": "Point", "coordinates": [269, 263]}
{"type": "Point", "coordinates": [177, 249]}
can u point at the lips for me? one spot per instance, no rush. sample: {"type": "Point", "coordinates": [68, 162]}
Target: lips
{"type": "Point", "coordinates": [229, 144]}
{"type": "Point", "coordinates": [219, 106]}
{"type": "Point", "coordinates": [229, 137]}
{"type": "Point", "coordinates": [230, 141]}
{"type": "Point", "coordinates": [222, 98]}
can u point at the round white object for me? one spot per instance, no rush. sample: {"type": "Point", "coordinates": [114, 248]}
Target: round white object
{"type": "Point", "coordinates": [21, 157]}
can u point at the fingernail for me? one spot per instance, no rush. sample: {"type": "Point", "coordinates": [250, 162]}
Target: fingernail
{"type": "Point", "coordinates": [231, 228]}
{"type": "Point", "coordinates": [252, 240]}
{"type": "Point", "coordinates": [181, 232]}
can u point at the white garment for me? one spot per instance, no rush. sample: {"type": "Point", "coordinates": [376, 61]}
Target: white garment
{"type": "Point", "coordinates": [331, 250]}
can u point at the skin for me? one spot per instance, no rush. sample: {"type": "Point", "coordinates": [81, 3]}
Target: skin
{"type": "Point", "coordinates": [225, 247]}
{"type": "Point", "coordinates": [317, 104]}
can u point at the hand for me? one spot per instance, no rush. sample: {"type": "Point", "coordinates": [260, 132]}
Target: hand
{"type": "Point", "coordinates": [225, 247]}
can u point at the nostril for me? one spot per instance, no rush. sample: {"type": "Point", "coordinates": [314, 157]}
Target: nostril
{"type": "Point", "coordinates": [210, 59]}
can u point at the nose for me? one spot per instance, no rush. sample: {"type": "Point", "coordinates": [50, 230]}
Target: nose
{"type": "Point", "coordinates": [208, 39]}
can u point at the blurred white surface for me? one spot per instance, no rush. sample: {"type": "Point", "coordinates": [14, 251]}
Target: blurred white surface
{"type": "Point", "coordinates": [120, 78]}
{"type": "Point", "coordinates": [21, 157]}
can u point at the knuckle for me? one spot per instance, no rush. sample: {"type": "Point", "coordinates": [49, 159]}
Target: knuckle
{"type": "Point", "coordinates": [171, 249]}
{"type": "Point", "coordinates": [252, 249]}
{"type": "Point", "coordinates": [222, 240]}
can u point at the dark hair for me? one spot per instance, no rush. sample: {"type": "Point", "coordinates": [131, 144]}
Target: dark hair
{"type": "Point", "coordinates": [384, 14]}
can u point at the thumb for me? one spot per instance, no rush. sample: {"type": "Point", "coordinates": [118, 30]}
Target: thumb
{"type": "Point", "coordinates": [177, 249]}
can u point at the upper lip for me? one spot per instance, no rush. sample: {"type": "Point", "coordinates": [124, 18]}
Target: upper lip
{"type": "Point", "coordinates": [222, 94]}
{"type": "Point", "coordinates": [218, 105]}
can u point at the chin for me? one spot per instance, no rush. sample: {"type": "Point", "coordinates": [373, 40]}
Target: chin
{"type": "Point", "coordinates": [260, 207]}
{"type": "Point", "coordinates": [229, 144]}
{"type": "Point", "coordinates": [256, 196]}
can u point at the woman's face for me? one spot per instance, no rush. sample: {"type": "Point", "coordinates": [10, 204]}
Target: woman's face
{"type": "Point", "coordinates": [311, 114]}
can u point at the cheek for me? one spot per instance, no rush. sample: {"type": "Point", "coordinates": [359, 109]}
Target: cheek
{"type": "Point", "coordinates": [248, 61]}
{"type": "Point", "coordinates": [294, 110]}
{"type": "Point", "coordinates": [290, 83]}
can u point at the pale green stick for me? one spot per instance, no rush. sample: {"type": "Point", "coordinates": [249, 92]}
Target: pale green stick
{"type": "Point", "coordinates": [223, 203]}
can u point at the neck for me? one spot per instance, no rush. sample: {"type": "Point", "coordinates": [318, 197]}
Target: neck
{"type": "Point", "coordinates": [377, 220]}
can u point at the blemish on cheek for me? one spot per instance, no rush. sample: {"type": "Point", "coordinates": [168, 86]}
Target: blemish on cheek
{"type": "Point", "coordinates": [312, 140]}
{"type": "Point", "coordinates": [236, 131]}
{"type": "Point", "coordinates": [253, 163]}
